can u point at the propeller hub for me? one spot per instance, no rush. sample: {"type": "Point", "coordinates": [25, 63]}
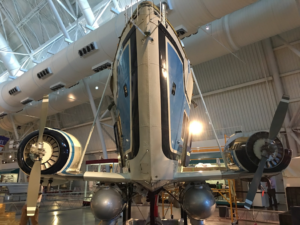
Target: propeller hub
{"type": "Point", "coordinates": [266, 148]}
{"type": "Point", "coordinates": [48, 155]}
{"type": "Point", "coordinates": [37, 152]}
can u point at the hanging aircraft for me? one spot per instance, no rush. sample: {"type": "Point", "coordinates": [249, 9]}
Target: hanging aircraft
{"type": "Point", "coordinates": [152, 84]}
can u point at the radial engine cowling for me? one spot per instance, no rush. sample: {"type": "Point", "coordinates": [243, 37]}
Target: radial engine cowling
{"type": "Point", "coordinates": [62, 152]}
{"type": "Point", "coordinates": [243, 153]}
{"type": "Point", "coordinates": [107, 204]}
{"type": "Point", "coordinates": [198, 201]}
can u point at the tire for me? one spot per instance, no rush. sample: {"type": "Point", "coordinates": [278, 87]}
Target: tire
{"type": "Point", "coordinates": [63, 154]}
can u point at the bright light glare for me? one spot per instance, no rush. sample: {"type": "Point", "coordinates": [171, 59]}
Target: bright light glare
{"type": "Point", "coordinates": [96, 87]}
{"type": "Point", "coordinates": [196, 127]}
{"type": "Point", "coordinates": [207, 27]}
{"type": "Point", "coordinates": [165, 73]}
{"type": "Point", "coordinates": [10, 156]}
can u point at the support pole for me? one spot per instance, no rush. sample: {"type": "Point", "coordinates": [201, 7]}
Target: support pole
{"type": "Point", "coordinates": [14, 127]}
{"type": "Point", "coordinates": [60, 22]}
{"type": "Point", "coordinates": [99, 16]}
{"type": "Point", "coordinates": [93, 126]}
{"type": "Point", "coordinates": [152, 207]}
{"type": "Point", "coordinates": [295, 137]}
{"type": "Point", "coordinates": [27, 130]}
{"type": "Point", "coordinates": [70, 7]}
{"type": "Point", "coordinates": [272, 64]}
{"type": "Point", "coordinates": [289, 46]}
{"type": "Point", "coordinates": [98, 126]}
{"type": "Point", "coordinates": [130, 193]}
{"type": "Point", "coordinates": [209, 119]}
{"type": "Point", "coordinates": [58, 121]}
{"type": "Point", "coordinates": [295, 117]}
{"type": "Point", "coordinates": [14, 27]}
{"type": "Point", "coordinates": [87, 13]}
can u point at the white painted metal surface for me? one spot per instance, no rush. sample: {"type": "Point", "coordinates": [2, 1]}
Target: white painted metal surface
{"type": "Point", "coordinates": [59, 100]}
{"type": "Point", "coordinates": [68, 67]}
{"type": "Point", "coordinates": [248, 25]}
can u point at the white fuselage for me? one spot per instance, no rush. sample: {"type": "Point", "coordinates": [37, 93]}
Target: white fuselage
{"type": "Point", "coordinates": [150, 114]}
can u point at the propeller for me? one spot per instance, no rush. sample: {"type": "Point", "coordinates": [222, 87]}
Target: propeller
{"type": "Point", "coordinates": [268, 148]}
{"type": "Point", "coordinates": [37, 153]}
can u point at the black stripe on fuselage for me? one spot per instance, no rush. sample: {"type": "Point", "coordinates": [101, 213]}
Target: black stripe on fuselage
{"type": "Point", "coordinates": [134, 92]}
{"type": "Point", "coordinates": [165, 126]}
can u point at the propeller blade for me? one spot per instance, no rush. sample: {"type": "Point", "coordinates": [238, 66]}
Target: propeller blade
{"type": "Point", "coordinates": [279, 117]}
{"type": "Point", "coordinates": [255, 182]}
{"type": "Point", "coordinates": [35, 174]}
{"type": "Point", "coordinates": [33, 188]}
{"type": "Point", "coordinates": [43, 117]}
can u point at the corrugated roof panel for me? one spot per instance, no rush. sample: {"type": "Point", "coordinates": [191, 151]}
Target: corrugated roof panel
{"type": "Point", "coordinates": [227, 70]}
{"type": "Point", "coordinates": [287, 60]}
{"type": "Point", "coordinates": [246, 108]}
{"type": "Point", "coordinates": [289, 36]}
{"type": "Point", "coordinates": [291, 85]}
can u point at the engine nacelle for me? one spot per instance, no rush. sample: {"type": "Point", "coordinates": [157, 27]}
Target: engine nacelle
{"type": "Point", "coordinates": [62, 152]}
{"type": "Point", "coordinates": [243, 153]}
{"type": "Point", "coordinates": [107, 204]}
{"type": "Point", "coordinates": [198, 201]}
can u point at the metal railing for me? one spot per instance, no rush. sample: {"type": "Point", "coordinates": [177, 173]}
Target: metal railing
{"type": "Point", "coordinates": [257, 215]}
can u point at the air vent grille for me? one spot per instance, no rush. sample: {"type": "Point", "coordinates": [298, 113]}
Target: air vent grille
{"type": "Point", "coordinates": [14, 90]}
{"type": "Point", "coordinates": [87, 49]}
{"type": "Point", "coordinates": [44, 73]}
{"type": "Point", "coordinates": [2, 114]}
{"type": "Point", "coordinates": [57, 86]}
{"type": "Point", "coordinates": [26, 101]}
{"type": "Point", "coordinates": [102, 66]}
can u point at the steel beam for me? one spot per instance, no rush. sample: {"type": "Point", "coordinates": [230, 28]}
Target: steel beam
{"type": "Point", "coordinates": [295, 117]}
{"type": "Point", "coordinates": [234, 87]}
{"type": "Point", "coordinates": [295, 137]}
{"type": "Point", "coordinates": [209, 119]}
{"type": "Point", "coordinates": [14, 127]}
{"type": "Point", "coordinates": [99, 16]}
{"type": "Point", "coordinates": [108, 134]}
{"type": "Point", "coordinates": [66, 9]}
{"type": "Point", "coordinates": [87, 13]}
{"type": "Point", "coordinates": [32, 13]}
{"type": "Point", "coordinates": [27, 130]}
{"type": "Point", "coordinates": [284, 46]}
{"type": "Point", "coordinates": [70, 7]}
{"type": "Point", "coordinates": [98, 125]}
{"type": "Point", "coordinates": [93, 126]}
{"type": "Point", "coordinates": [289, 46]}
{"type": "Point", "coordinates": [59, 20]}
{"type": "Point", "coordinates": [273, 68]}
{"type": "Point", "coordinates": [11, 23]}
